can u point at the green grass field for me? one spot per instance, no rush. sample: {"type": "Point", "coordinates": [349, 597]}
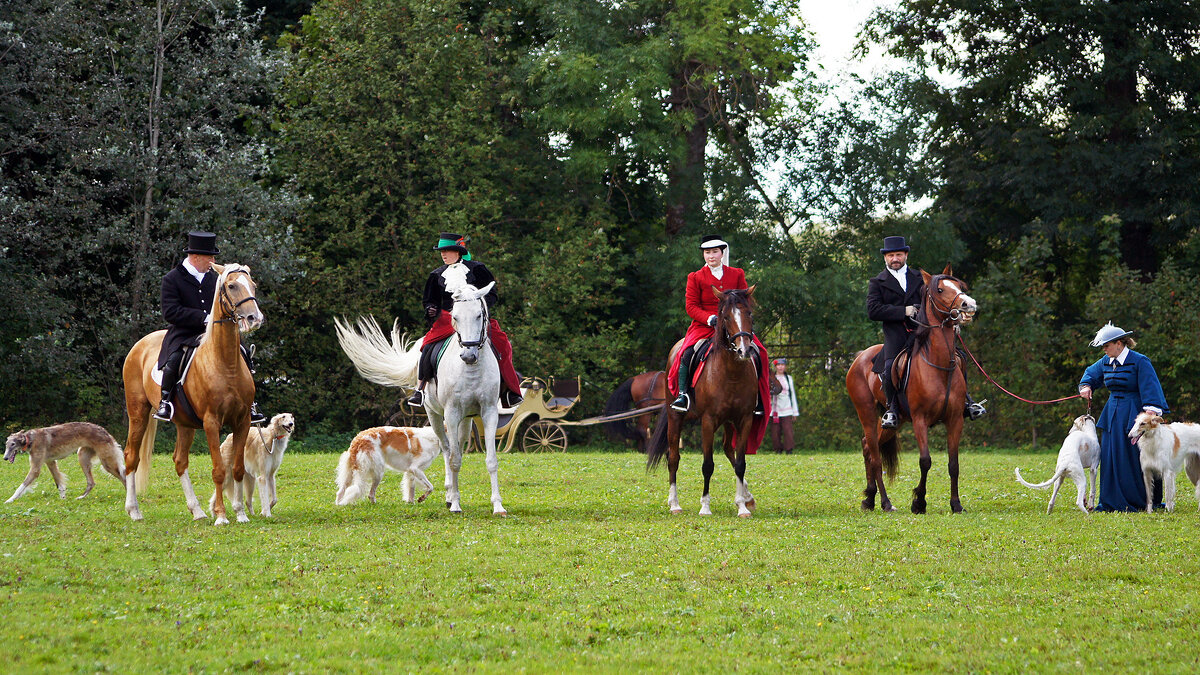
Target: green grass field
{"type": "Point", "coordinates": [589, 571]}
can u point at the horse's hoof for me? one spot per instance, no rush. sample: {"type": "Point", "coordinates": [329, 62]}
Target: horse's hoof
{"type": "Point", "coordinates": [243, 518]}
{"type": "Point", "coordinates": [676, 511]}
{"type": "Point", "coordinates": [868, 504]}
{"type": "Point", "coordinates": [744, 515]}
{"type": "Point", "coordinates": [887, 507]}
{"type": "Point", "coordinates": [918, 509]}
{"type": "Point", "coordinates": [135, 515]}
{"type": "Point", "coordinates": [199, 515]}
{"type": "Point", "coordinates": [221, 521]}
{"type": "Point", "coordinates": [501, 513]}
{"type": "Point", "coordinates": [705, 512]}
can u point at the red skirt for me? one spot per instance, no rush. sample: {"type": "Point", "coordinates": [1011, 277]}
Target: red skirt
{"type": "Point", "coordinates": [441, 329]}
{"type": "Point", "coordinates": [759, 429]}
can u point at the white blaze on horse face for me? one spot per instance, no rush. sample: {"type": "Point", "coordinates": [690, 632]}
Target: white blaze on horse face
{"type": "Point", "coordinates": [966, 304]}
{"type": "Point", "coordinates": [743, 342]}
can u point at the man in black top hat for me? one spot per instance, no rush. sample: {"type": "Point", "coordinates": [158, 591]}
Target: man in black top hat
{"type": "Point", "coordinates": [187, 299]}
{"type": "Point", "coordinates": [894, 299]}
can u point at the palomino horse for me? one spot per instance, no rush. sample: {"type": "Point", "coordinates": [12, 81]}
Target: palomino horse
{"type": "Point", "coordinates": [465, 386]}
{"type": "Point", "coordinates": [648, 390]}
{"type": "Point", "coordinates": [724, 396]}
{"type": "Point", "coordinates": [218, 386]}
{"type": "Point", "coordinates": [936, 392]}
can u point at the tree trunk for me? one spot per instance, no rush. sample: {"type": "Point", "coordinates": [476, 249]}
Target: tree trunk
{"type": "Point", "coordinates": [153, 126]}
{"type": "Point", "coordinates": [685, 180]}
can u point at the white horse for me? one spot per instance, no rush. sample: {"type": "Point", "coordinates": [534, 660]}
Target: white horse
{"type": "Point", "coordinates": [464, 387]}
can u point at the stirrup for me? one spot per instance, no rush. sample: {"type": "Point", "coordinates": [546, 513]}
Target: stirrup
{"type": "Point", "coordinates": [682, 402]}
{"type": "Point", "coordinates": [417, 400]}
{"type": "Point", "coordinates": [165, 411]}
{"type": "Point", "coordinates": [975, 410]}
{"type": "Point", "coordinates": [256, 418]}
{"type": "Point", "coordinates": [890, 420]}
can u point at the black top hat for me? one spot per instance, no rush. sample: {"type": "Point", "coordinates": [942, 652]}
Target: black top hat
{"type": "Point", "coordinates": [204, 243]}
{"type": "Point", "coordinates": [449, 241]}
{"type": "Point", "coordinates": [892, 244]}
{"type": "Point", "coordinates": [712, 241]}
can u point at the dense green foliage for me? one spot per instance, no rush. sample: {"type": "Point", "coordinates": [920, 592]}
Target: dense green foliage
{"type": "Point", "coordinates": [583, 147]}
{"type": "Point", "coordinates": [589, 571]}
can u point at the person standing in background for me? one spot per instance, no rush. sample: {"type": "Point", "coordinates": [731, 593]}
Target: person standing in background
{"type": "Point", "coordinates": [784, 408]}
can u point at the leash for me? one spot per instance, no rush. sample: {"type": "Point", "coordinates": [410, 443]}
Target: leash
{"type": "Point", "coordinates": [1025, 400]}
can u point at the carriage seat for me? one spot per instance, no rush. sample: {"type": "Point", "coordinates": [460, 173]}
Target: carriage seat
{"type": "Point", "coordinates": [565, 392]}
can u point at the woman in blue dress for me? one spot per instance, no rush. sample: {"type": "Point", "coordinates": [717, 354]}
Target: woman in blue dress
{"type": "Point", "coordinates": [1133, 387]}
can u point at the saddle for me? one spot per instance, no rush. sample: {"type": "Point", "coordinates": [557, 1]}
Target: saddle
{"type": "Point", "coordinates": [430, 358]}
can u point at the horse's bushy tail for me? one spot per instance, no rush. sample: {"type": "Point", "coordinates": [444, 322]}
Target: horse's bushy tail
{"type": "Point", "coordinates": [656, 447]}
{"type": "Point", "coordinates": [145, 452]}
{"type": "Point", "coordinates": [619, 401]}
{"type": "Point", "coordinates": [392, 363]}
{"type": "Point", "coordinates": [889, 451]}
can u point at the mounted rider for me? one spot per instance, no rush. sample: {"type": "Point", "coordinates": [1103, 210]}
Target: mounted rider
{"type": "Point", "coordinates": [438, 302]}
{"type": "Point", "coordinates": [702, 306]}
{"type": "Point", "coordinates": [895, 299]}
{"type": "Point", "coordinates": [187, 299]}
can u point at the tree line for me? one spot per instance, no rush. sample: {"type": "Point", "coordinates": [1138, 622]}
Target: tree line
{"type": "Point", "coordinates": [585, 147]}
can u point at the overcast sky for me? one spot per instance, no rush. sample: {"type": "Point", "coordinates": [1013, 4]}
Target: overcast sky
{"type": "Point", "coordinates": [835, 25]}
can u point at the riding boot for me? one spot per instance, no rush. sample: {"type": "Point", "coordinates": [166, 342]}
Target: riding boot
{"type": "Point", "coordinates": [248, 356]}
{"type": "Point", "coordinates": [891, 418]}
{"type": "Point", "coordinates": [165, 409]}
{"type": "Point", "coordinates": [684, 401]}
{"type": "Point", "coordinates": [417, 400]}
{"type": "Point", "coordinates": [256, 418]}
{"type": "Point", "coordinates": [509, 398]}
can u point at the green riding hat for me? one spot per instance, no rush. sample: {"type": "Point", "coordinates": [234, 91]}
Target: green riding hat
{"type": "Point", "coordinates": [449, 241]}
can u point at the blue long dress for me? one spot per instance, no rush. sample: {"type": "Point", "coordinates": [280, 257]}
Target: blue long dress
{"type": "Point", "coordinates": [1131, 386]}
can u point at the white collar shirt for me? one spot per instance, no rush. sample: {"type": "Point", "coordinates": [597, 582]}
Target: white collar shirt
{"type": "Point", "coordinates": [901, 276]}
{"type": "Point", "coordinates": [196, 274]}
{"type": "Point", "coordinates": [718, 271]}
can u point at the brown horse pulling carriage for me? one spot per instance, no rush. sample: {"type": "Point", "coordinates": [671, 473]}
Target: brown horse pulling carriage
{"type": "Point", "coordinates": [936, 392]}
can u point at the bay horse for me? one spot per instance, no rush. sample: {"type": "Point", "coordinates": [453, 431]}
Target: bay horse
{"type": "Point", "coordinates": [218, 386]}
{"type": "Point", "coordinates": [723, 397]}
{"type": "Point", "coordinates": [464, 387]}
{"type": "Point", "coordinates": [643, 391]}
{"type": "Point", "coordinates": [936, 392]}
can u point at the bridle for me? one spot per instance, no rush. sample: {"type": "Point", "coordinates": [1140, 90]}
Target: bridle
{"type": "Point", "coordinates": [951, 315]}
{"type": "Point", "coordinates": [483, 332]}
{"type": "Point", "coordinates": [731, 340]}
{"type": "Point", "coordinates": [228, 306]}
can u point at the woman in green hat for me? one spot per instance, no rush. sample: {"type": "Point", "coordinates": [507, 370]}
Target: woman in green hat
{"type": "Point", "coordinates": [438, 302]}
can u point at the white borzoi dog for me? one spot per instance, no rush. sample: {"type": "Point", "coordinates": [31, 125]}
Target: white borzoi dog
{"type": "Point", "coordinates": [1164, 449]}
{"type": "Point", "coordinates": [49, 444]}
{"type": "Point", "coordinates": [264, 455]}
{"type": "Point", "coordinates": [1080, 450]}
{"type": "Point", "coordinates": [374, 451]}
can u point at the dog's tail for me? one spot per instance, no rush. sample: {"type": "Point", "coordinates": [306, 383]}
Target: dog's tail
{"type": "Point", "coordinates": [1037, 486]}
{"type": "Point", "coordinates": [145, 452]}
{"type": "Point", "coordinates": [347, 492]}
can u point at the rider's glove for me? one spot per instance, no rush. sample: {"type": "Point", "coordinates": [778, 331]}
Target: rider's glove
{"type": "Point", "coordinates": [712, 321]}
{"type": "Point", "coordinates": [431, 311]}
{"type": "Point", "coordinates": [910, 311]}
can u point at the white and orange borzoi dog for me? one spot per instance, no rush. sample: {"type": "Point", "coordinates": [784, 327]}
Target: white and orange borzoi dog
{"type": "Point", "coordinates": [374, 451]}
{"type": "Point", "coordinates": [264, 455]}
{"type": "Point", "coordinates": [1164, 449]}
{"type": "Point", "coordinates": [1080, 450]}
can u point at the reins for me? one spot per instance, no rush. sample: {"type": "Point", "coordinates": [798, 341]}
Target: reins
{"type": "Point", "coordinates": [228, 306]}
{"type": "Point", "coordinates": [1024, 400]}
{"type": "Point", "coordinates": [483, 333]}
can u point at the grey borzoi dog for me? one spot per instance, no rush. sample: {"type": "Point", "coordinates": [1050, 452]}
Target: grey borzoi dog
{"type": "Point", "coordinates": [1164, 449]}
{"type": "Point", "coordinates": [1080, 450]}
{"type": "Point", "coordinates": [263, 455]}
{"type": "Point", "coordinates": [49, 444]}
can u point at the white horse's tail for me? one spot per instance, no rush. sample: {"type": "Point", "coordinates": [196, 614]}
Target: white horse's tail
{"type": "Point", "coordinates": [145, 452]}
{"type": "Point", "coordinates": [390, 363]}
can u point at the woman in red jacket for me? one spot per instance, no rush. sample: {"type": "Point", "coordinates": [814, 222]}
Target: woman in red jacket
{"type": "Point", "coordinates": [701, 305]}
